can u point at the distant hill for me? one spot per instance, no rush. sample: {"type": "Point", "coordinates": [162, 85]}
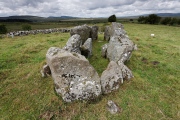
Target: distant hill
{"type": "Point", "coordinates": [63, 17]}
{"type": "Point", "coordinates": [23, 18]}
{"type": "Point", "coordinates": [168, 14]}
{"type": "Point", "coordinates": [29, 18]}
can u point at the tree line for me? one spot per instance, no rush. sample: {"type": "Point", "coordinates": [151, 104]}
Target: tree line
{"type": "Point", "coordinates": [155, 19]}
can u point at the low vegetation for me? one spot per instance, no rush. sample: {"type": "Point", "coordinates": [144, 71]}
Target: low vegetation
{"type": "Point", "coordinates": [153, 93]}
{"type": "Point", "coordinates": [155, 19]}
{"type": "Point", "coordinates": [3, 29]}
{"type": "Point", "coordinates": [26, 27]}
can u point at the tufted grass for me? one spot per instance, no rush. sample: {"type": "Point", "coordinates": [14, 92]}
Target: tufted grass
{"type": "Point", "coordinates": [153, 93]}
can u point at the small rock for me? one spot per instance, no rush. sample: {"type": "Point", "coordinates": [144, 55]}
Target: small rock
{"type": "Point", "coordinates": [113, 108]}
{"type": "Point", "coordinates": [135, 47]}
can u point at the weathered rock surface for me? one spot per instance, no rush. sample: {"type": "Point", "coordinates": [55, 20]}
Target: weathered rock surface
{"type": "Point", "coordinates": [74, 77]}
{"type": "Point", "coordinates": [113, 108]}
{"type": "Point", "coordinates": [104, 50]}
{"type": "Point", "coordinates": [86, 48]}
{"type": "Point", "coordinates": [119, 47]}
{"type": "Point", "coordinates": [107, 33]}
{"type": "Point", "coordinates": [118, 50]}
{"type": "Point", "coordinates": [73, 44]}
{"type": "Point", "coordinates": [126, 72]}
{"type": "Point", "coordinates": [84, 31]}
{"type": "Point", "coordinates": [111, 78]}
{"type": "Point", "coordinates": [94, 32]}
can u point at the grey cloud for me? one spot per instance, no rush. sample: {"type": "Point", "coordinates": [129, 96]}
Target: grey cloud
{"type": "Point", "coordinates": [86, 8]}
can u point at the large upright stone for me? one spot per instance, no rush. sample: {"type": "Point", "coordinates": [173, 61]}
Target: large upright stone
{"type": "Point", "coordinates": [74, 77]}
{"type": "Point", "coordinates": [84, 31]}
{"type": "Point", "coordinates": [86, 48]}
{"type": "Point", "coordinates": [111, 78]}
{"type": "Point", "coordinates": [117, 29]}
{"type": "Point", "coordinates": [126, 72]}
{"type": "Point", "coordinates": [104, 50]}
{"type": "Point", "coordinates": [107, 32]}
{"type": "Point", "coordinates": [94, 32]}
{"type": "Point", "coordinates": [73, 44]}
{"type": "Point", "coordinates": [115, 49]}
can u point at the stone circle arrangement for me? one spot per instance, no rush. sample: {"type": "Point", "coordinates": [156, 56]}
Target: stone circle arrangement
{"type": "Point", "coordinates": [74, 77]}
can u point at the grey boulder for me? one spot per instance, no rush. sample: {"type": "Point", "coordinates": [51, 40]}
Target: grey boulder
{"type": "Point", "coordinates": [84, 31]}
{"type": "Point", "coordinates": [94, 32]}
{"type": "Point", "coordinates": [111, 78]}
{"type": "Point", "coordinates": [86, 48]}
{"type": "Point", "coordinates": [73, 44]}
{"type": "Point", "coordinates": [74, 77]}
{"type": "Point", "coordinates": [113, 108]}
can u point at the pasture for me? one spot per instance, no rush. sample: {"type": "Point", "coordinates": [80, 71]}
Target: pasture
{"type": "Point", "coordinates": [153, 93]}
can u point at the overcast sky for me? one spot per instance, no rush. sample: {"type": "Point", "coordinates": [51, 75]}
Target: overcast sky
{"type": "Point", "coordinates": [87, 8]}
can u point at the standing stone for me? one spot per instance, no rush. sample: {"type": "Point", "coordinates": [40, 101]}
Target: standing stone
{"type": "Point", "coordinates": [119, 48]}
{"type": "Point", "coordinates": [73, 44]}
{"type": "Point", "coordinates": [94, 33]}
{"type": "Point", "coordinates": [126, 72]}
{"type": "Point", "coordinates": [107, 32]}
{"type": "Point", "coordinates": [74, 77]}
{"type": "Point", "coordinates": [115, 49]}
{"type": "Point", "coordinates": [111, 78]}
{"type": "Point", "coordinates": [117, 29]}
{"type": "Point", "coordinates": [86, 49]}
{"type": "Point", "coordinates": [104, 50]}
{"type": "Point", "coordinates": [84, 31]}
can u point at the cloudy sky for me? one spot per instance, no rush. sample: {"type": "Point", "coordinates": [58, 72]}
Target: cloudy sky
{"type": "Point", "coordinates": [87, 8]}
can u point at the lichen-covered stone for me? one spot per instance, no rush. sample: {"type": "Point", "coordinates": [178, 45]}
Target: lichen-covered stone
{"type": "Point", "coordinates": [74, 77]}
{"type": "Point", "coordinates": [113, 108]}
{"type": "Point", "coordinates": [84, 31]}
{"type": "Point", "coordinates": [111, 78]}
{"type": "Point", "coordinates": [107, 32]}
{"type": "Point", "coordinates": [73, 44]}
{"type": "Point", "coordinates": [94, 32]}
{"type": "Point", "coordinates": [104, 50]}
{"type": "Point", "coordinates": [126, 72]}
{"type": "Point", "coordinates": [86, 48]}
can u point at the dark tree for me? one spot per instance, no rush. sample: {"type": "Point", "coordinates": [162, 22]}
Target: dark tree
{"type": "Point", "coordinates": [178, 21]}
{"type": "Point", "coordinates": [166, 21]}
{"type": "Point", "coordinates": [112, 18]}
{"type": "Point", "coordinates": [3, 29]}
{"type": "Point", "coordinates": [153, 19]}
{"type": "Point", "coordinates": [174, 21]}
{"type": "Point", "coordinates": [143, 19]}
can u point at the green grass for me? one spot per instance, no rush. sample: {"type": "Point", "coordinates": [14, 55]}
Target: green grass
{"type": "Point", "coordinates": [153, 93]}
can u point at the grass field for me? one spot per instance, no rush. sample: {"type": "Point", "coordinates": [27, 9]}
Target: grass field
{"type": "Point", "coordinates": [153, 93]}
